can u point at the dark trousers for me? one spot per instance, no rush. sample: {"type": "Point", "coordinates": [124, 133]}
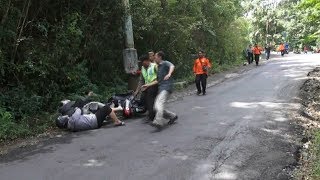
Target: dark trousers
{"type": "Point", "coordinates": [201, 79]}
{"type": "Point", "coordinates": [150, 95]}
{"type": "Point", "coordinates": [267, 55]}
{"type": "Point", "coordinates": [102, 113]}
{"type": "Point", "coordinates": [250, 57]}
{"type": "Point", "coordinates": [257, 58]}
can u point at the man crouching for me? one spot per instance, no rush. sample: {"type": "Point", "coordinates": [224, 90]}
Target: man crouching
{"type": "Point", "coordinates": [76, 119]}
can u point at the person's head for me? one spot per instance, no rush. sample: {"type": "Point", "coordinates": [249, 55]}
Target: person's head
{"type": "Point", "coordinates": [151, 56]}
{"type": "Point", "coordinates": [145, 61]}
{"type": "Point", "coordinates": [255, 45]}
{"type": "Point", "coordinates": [66, 107]}
{"type": "Point", "coordinates": [89, 93]}
{"type": "Point", "coordinates": [159, 57]}
{"type": "Point", "coordinates": [201, 54]}
{"type": "Point", "coordinates": [250, 45]}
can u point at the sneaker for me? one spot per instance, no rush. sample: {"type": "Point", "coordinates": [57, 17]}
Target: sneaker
{"type": "Point", "coordinates": [157, 126]}
{"type": "Point", "coordinates": [171, 121]}
{"type": "Point", "coordinates": [198, 93]}
{"type": "Point", "coordinates": [204, 93]}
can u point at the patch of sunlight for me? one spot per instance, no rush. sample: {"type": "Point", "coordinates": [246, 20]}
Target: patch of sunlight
{"type": "Point", "coordinates": [292, 75]}
{"type": "Point", "coordinates": [247, 117]}
{"type": "Point", "coordinates": [243, 105]}
{"type": "Point", "coordinates": [247, 105]}
{"type": "Point", "coordinates": [271, 131]}
{"type": "Point", "coordinates": [93, 163]}
{"type": "Point", "coordinates": [180, 156]}
{"type": "Point", "coordinates": [296, 65]}
{"type": "Point", "coordinates": [280, 119]}
{"type": "Point", "coordinates": [232, 75]}
{"type": "Point", "coordinates": [225, 175]}
{"type": "Point", "coordinates": [301, 78]}
{"type": "Point", "coordinates": [203, 172]}
{"type": "Point", "coordinates": [255, 104]}
{"type": "Point", "coordinates": [270, 122]}
{"type": "Point", "coordinates": [226, 172]}
{"type": "Point", "coordinates": [154, 142]}
{"type": "Point", "coordinates": [197, 107]}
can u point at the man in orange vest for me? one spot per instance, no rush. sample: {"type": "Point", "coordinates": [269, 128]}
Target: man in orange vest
{"type": "Point", "coordinates": [281, 49]}
{"type": "Point", "coordinates": [256, 51]}
{"type": "Point", "coordinates": [200, 69]}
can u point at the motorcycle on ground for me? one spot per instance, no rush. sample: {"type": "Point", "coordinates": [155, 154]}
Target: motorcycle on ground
{"type": "Point", "coordinates": [128, 104]}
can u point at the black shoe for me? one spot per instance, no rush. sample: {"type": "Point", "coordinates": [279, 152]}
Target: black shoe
{"type": "Point", "coordinates": [204, 93]}
{"type": "Point", "coordinates": [198, 93]}
{"type": "Point", "coordinates": [146, 121]}
{"type": "Point", "coordinates": [171, 121]}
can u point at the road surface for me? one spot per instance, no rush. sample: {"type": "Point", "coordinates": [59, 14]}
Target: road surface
{"type": "Point", "coordinates": [240, 130]}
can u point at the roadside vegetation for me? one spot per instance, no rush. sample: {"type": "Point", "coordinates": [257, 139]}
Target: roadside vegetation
{"type": "Point", "coordinates": [310, 120]}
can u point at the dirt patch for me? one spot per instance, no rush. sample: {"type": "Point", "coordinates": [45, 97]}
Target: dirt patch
{"type": "Point", "coordinates": [309, 118]}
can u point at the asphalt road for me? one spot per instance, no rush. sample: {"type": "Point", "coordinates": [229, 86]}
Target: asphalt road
{"type": "Point", "coordinates": [239, 130]}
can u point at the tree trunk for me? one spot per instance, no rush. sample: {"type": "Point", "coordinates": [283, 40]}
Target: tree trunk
{"type": "Point", "coordinates": [164, 4]}
{"type": "Point", "coordinates": [21, 30]}
{"type": "Point", "coordinates": [5, 16]}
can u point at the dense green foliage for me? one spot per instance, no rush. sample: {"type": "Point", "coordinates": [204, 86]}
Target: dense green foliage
{"type": "Point", "coordinates": [293, 21]}
{"type": "Point", "coordinates": [50, 50]}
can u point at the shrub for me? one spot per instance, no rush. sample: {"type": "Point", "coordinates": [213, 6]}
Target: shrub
{"type": "Point", "coordinates": [9, 129]}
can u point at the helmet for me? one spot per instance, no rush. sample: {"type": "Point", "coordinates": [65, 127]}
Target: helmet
{"type": "Point", "coordinates": [62, 122]}
{"type": "Point", "coordinates": [127, 109]}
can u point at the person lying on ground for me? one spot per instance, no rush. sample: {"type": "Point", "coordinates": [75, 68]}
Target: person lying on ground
{"type": "Point", "coordinates": [80, 119]}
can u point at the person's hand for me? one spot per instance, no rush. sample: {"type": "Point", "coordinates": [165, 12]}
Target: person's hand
{"type": "Point", "coordinates": [167, 77]}
{"type": "Point", "coordinates": [144, 87]}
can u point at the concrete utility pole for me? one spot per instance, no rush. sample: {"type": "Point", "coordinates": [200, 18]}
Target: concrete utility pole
{"type": "Point", "coordinates": [130, 56]}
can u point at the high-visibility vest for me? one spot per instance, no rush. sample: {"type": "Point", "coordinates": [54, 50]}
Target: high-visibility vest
{"type": "Point", "coordinates": [149, 74]}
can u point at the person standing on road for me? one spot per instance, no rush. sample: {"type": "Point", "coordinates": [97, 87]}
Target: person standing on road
{"type": "Point", "coordinates": [165, 85]}
{"type": "Point", "coordinates": [256, 51]}
{"type": "Point", "coordinates": [148, 85]}
{"type": "Point", "coordinates": [200, 69]}
{"type": "Point", "coordinates": [250, 54]}
{"type": "Point", "coordinates": [267, 49]}
{"type": "Point", "coordinates": [282, 49]}
{"type": "Point", "coordinates": [286, 48]}
{"type": "Point", "coordinates": [305, 49]}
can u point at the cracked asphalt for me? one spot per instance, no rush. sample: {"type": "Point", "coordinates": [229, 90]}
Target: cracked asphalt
{"type": "Point", "coordinates": [240, 130]}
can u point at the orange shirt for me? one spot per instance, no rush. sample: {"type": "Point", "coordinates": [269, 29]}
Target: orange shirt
{"type": "Point", "coordinates": [198, 63]}
{"type": "Point", "coordinates": [256, 50]}
{"type": "Point", "coordinates": [281, 47]}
